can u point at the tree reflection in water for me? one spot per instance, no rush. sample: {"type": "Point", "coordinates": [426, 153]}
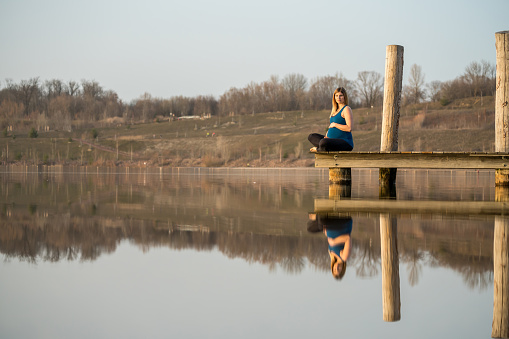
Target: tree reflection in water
{"type": "Point", "coordinates": [263, 220]}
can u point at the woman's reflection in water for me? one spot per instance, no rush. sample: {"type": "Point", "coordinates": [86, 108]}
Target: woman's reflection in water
{"type": "Point", "coordinates": [337, 229]}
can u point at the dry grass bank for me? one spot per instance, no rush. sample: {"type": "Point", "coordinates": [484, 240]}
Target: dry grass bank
{"type": "Point", "coordinates": [262, 140]}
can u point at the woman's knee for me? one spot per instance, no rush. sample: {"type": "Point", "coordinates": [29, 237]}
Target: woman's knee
{"type": "Point", "coordinates": [322, 145]}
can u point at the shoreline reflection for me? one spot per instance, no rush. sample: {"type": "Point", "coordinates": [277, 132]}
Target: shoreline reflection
{"type": "Point", "coordinates": [260, 218]}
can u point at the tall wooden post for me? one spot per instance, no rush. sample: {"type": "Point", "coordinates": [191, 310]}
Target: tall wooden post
{"type": "Point", "coordinates": [391, 108]}
{"type": "Point", "coordinates": [390, 268]}
{"type": "Point", "coordinates": [502, 103]}
{"type": "Point", "coordinates": [500, 326]}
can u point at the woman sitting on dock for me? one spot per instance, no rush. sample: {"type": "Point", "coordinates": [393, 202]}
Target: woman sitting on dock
{"type": "Point", "coordinates": [339, 135]}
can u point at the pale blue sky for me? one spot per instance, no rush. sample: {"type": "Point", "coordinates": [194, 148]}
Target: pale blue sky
{"type": "Point", "coordinates": [190, 48]}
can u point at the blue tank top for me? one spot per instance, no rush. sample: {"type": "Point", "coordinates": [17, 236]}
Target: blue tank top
{"type": "Point", "coordinates": [334, 233]}
{"type": "Point", "coordinates": [336, 133]}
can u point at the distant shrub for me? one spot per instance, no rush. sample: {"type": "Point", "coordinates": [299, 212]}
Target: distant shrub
{"type": "Point", "coordinates": [94, 133]}
{"type": "Point", "coordinates": [18, 156]}
{"type": "Point", "coordinates": [5, 133]}
{"type": "Point", "coordinates": [33, 133]}
{"type": "Point", "coordinates": [444, 102]}
{"type": "Point", "coordinates": [211, 161]}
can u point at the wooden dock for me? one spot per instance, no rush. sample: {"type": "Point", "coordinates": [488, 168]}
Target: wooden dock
{"type": "Point", "coordinates": [431, 160]}
{"type": "Point", "coordinates": [486, 208]}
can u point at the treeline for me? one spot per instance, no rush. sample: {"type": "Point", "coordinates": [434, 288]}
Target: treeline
{"type": "Point", "coordinates": [59, 105]}
{"type": "Point", "coordinates": [33, 240]}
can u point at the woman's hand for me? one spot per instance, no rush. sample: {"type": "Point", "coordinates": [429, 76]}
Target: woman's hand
{"type": "Point", "coordinates": [347, 114]}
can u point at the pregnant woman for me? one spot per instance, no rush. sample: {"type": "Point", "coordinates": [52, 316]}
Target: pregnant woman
{"type": "Point", "coordinates": [339, 135]}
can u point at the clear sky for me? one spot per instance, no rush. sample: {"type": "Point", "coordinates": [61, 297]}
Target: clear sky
{"type": "Point", "coordinates": [204, 47]}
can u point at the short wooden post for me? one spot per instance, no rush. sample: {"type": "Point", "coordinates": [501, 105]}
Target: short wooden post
{"type": "Point", "coordinates": [502, 103]}
{"type": "Point", "coordinates": [390, 268]}
{"type": "Point", "coordinates": [387, 179]}
{"type": "Point", "coordinates": [391, 108]}
{"type": "Point", "coordinates": [500, 325]}
{"type": "Point", "coordinates": [341, 176]}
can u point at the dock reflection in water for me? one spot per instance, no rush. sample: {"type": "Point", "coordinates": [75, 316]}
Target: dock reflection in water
{"type": "Point", "coordinates": [143, 243]}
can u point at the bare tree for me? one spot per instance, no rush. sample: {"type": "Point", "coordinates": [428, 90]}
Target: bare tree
{"type": "Point", "coordinates": [414, 92]}
{"type": "Point", "coordinates": [205, 105]}
{"type": "Point", "coordinates": [294, 85]}
{"type": "Point", "coordinates": [54, 88]}
{"type": "Point", "coordinates": [73, 88]}
{"type": "Point", "coordinates": [434, 89]}
{"type": "Point", "coordinates": [322, 88]}
{"type": "Point", "coordinates": [28, 92]}
{"type": "Point", "coordinates": [478, 76]}
{"type": "Point", "coordinates": [91, 89]}
{"type": "Point", "coordinates": [273, 91]}
{"type": "Point", "coordinates": [370, 85]}
{"type": "Point", "coordinates": [58, 112]}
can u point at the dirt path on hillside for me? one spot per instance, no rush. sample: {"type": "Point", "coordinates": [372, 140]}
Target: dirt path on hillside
{"type": "Point", "coordinates": [106, 149]}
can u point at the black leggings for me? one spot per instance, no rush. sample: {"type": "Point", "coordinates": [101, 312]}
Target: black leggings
{"type": "Point", "coordinates": [324, 144]}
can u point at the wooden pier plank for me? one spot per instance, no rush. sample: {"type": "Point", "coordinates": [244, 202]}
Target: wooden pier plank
{"type": "Point", "coordinates": [431, 160]}
{"type": "Point", "coordinates": [412, 207]}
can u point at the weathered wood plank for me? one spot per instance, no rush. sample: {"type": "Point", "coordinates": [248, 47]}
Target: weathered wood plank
{"type": "Point", "coordinates": [432, 160]}
{"type": "Point", "coordinates": [412, 207]}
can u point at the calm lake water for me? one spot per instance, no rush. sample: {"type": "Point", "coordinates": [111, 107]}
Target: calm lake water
{"type": "Point", "coordinates": [226, 253]}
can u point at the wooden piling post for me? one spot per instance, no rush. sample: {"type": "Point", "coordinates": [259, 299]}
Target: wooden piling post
{"type": "Point", "coordinates": [500, 325]}
{"type": "Point", "coordinates": [502, 103]}
{"type": "Point", "coordinates": [387, 179]}
{"type": "Point", "coordinates": [341, 176]}
{"type": "Point", "coordinates": [390, 268]}
{"type": "Point", "coordinates": [391, 108]}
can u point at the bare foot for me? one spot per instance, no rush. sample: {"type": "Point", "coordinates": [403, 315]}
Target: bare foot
{"type": "Point", "coordinates": [313, 149]}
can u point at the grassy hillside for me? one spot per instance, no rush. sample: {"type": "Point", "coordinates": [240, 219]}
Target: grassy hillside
{"type": "Point", "coordinates": [268, 140]}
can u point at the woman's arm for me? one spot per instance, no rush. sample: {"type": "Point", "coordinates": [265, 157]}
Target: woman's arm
{"type": "Point", "coordinates": [347, 240]}
{"type": "Point", "coordinates": [346, 251]}
{"type": "Point", "coordinates": [338, 240]}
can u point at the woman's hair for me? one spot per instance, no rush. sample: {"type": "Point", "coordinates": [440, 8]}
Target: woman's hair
{"type": "Point", "coordinates": [334, 103]}
{"type": "Point", "coordinates": [342, 264]}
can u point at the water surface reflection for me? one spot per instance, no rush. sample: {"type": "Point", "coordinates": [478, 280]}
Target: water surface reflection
{"type": "Point", "coordinates": [261, 217]}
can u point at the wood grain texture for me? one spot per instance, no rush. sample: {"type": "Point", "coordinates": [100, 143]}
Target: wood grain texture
{"type": "Point", "coordinates": [431, 160]}
{"type": "Point", "coordinates": [502, 92]}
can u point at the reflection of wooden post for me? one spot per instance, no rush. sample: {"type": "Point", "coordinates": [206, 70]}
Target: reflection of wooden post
{"type": "Point", "coordinates": [500, 327]}
{"type": "Point", "coordinates": [501, 193]}
{"type": "Point", "coordinates": [392, 100]}
{"type": "Point", "coordinates": [390, 268]}
{"type": "Point", "coordinates": [502, 103]}
{"type": "Point", "coordinates": [339, 191]}
{"type": "Point", "coordinates": [341, 176]}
